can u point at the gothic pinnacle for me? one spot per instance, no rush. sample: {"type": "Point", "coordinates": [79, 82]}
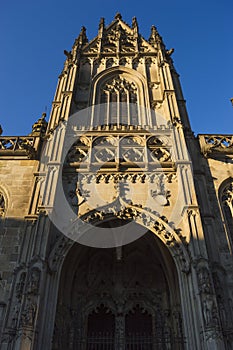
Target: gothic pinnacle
{"type": "Point", "coordinates": [40, 126]}
{"type": "Point", "coordinates": [101, 27]}
{"type": "Point", "coordinates": [102, 23]}
{"type": "Point", "coordinates": [118, 16]}
{"type": "Point", "coordinates": [135, 23]}
{"type": "Point", "coordinates": [154, 36]}
{"type": "Point", "coordinates": [82, 38]}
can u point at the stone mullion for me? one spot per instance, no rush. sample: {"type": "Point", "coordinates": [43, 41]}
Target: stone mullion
{"type": "Point", "coordinates": [146, 150]}
{"type": "Point", "coordinates": [118, 107]}
{"type": "Point", "coordinates": [139, 110]}
{"type": "Point", "coordinates": [128, 107]}
{"type": "Point", "coordinates": [108, 108]}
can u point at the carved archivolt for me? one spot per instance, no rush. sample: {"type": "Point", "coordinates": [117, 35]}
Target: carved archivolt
{"type": "Point", "coordinates": [145, 217]}
{"type": "Point", "coordinates": [118, 293]}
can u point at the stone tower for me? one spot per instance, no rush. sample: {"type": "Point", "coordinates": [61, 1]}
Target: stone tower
{"type": "Point", "coordinates": [116, 221]}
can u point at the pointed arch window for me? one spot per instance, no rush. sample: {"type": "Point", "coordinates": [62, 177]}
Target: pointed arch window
{"type": "Point", "coordinates": [138, 329]}
{"type": "Point", "coordinates": [101, 328]}
{"type": "Point", "coordinates": [120, 97]}
{"type": "Point", "coordinates": [2, 205]}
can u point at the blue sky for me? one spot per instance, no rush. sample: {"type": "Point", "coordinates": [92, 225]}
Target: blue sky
{"type": "Point", "coordinates": [33, 35]}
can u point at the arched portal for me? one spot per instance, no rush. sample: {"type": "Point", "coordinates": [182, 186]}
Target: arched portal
{"type": "Point", "coordinates": [119, 298]}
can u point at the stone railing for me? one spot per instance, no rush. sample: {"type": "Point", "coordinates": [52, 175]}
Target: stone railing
{"type": "Point", "coordinates": [216, 144]}
{"type": "Point", "coordinates": [26, 146]}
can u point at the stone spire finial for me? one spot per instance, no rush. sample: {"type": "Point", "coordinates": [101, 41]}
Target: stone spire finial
{"type": "Point", "coordinates": [83, 35]}
{"type": "Point", "coordinates": [135, 23]}
{"type": "Point", "coordinates": [154, 36]}
{"type": "Point", "coordinates": [82, 38]}
{"type": "Point", "coordinates": [40, 126]}
{"type": "Point", "coordinates": [101, 27]}
{"type": "Point", "coordinates": [118, 16]}
{"type": "Point", "coordinates": [102, 23]}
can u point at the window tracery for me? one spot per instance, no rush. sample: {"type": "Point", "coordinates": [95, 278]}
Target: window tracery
{"type": "Point", "coordinates": [123, 96]}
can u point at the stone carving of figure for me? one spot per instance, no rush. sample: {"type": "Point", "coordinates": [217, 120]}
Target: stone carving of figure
{"type": "Point", "coordinates": [15, 315]}
{"type": "Point", "coordinates": [34, 281]}
{"type": "Point", "coordinates": [204, 280]}
{"type": "Point", "coordinates": [20, 286]}
{"type": "Point", "coordinates": [29, 313]}
{"type": "Point", "coordinates": [208, 309]}
{"type": "Point", "coordinates": [207, 297]}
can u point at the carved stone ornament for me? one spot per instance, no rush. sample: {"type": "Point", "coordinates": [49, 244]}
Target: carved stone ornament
{"type": "Point", "coordinates": [20, 286]}
{"type": "Point", "coordinates": [120, 84]}
{"type": "Point", "coordinates": [174, 240]}
{"type": "Point", "coordinates": [208, 300]}
{"type": "Point", "coordinates": [161, 154]}
{"type": "Point", "coordinates": [2, 205]}
{"type": "Point", "coordinates": [216, 144]}
{"type": "Point", "coordinates": [24, 145]}
{"type": "Point", "coordinates": [33, 282]}
{"type": "Point", "coordinates": [29, 313]}
{"type": "Point", "coordinates": [227, 197]}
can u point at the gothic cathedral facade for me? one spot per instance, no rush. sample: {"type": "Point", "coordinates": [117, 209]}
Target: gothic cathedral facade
{"type": "Point", "coordinates": [116, 226]}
